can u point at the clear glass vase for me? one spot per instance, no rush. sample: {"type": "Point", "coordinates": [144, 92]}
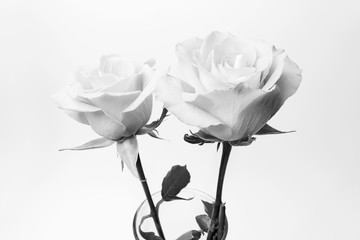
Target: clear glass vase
{"type": "Point", "coordinates": [176, 217]}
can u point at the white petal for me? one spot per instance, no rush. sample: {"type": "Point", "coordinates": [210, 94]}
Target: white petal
{"type": "Point", "coordinates": [136, 119]}
{"type": "Point", "coordinates": [169, 90]}
{"type": "Point", "coordinates": [225, 105]}
{"type": "Point", "coordinates": [148, 90]}
{"type": "Point", "coordinates": [99, 82]}
{"type": "Point", "coordinates": [136, 82]}
{"type": "Point", "coordinates": [253, 81]}
{"type": "Point", "coordinates": [188, 69]}
{"type": "Point", "coordinates": [117, 65]}
{"type": "Point", "coordinates": [209, 44]}
{"type": "Point", "coordinates": [114, 104]}
{"type": "Point", "coordinates": [78, 116]}
{"type": "Point", "coordinates": [191, 45]}
{"type": "Point", "coordinates": [150, 62]}
{"type": "Point", "coordinates": [65, 101]}
{"type": "Point", "coordinates": [242, 47]}
{"type": "Point", "coordinates": [220, 131]}
{"type": "Point", "coordinates": [290, 79]}
{"type": "Point", "coordinates": [128, 152]}
{"type": "Point", "coordinates": [105, 126]}
{"type": "Point", "coordinates": [211, 82]}
{"type": "Point", "coordinates": [222, 52]}
{"type": "Point", "coordinates": [232, 74]}
{"type": "Point", "coordinates": [275, 70]}
{"type": "Point", "coordinates": [193, 115]}
{"type": "Point", "coordinates": [256, 114]}
{"type": "Point", "coordinates": [264, 55]}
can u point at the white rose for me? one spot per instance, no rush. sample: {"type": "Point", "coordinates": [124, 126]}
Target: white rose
{"type": "Point", "coordinates": [112, 100]}
{"type": "Point", "coordinates": [232, 86]}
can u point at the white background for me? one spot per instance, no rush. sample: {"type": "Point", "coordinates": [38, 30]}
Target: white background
{"type": "Point", "coordinates": [304, 185]}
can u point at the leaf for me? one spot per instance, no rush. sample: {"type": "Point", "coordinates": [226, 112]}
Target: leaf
{"type": "Point", "coordinates": [208, 207]}
{"type": "Point", "coordinates": [174, 181]}
{"type": "Point", "coordinates": [203, 221]}
{"type": "Point", "coordinates": [96, 143]}
{"type": "Point", "coordinates": [190, 235]}
{"type": "Point", "coordinates": [149, 236]}
{"type": "Point", "coordinates": [267, 129]}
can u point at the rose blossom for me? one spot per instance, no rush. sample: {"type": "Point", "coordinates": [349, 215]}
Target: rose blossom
{"type": "Point", "coordinates": [231, 86]}
{"type": "Point", "coordinates": [112, 101]}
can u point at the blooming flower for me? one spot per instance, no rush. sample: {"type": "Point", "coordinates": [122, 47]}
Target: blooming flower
{"type": "Point", "coordinates": [115, 100]}
{"type": "Point", "coordinates": [231, 87]}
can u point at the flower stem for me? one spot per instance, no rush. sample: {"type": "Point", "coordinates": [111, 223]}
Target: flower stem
{"type": "Point", "coordinates": [153, 212]}
{"type": "Point", "coordinates": [216, 209]}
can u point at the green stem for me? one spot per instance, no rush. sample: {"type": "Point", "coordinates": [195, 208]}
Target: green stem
{"type": "Point", "coordinates": [153, 212]}
{"type": "Point", "coordinates": [216, 209]}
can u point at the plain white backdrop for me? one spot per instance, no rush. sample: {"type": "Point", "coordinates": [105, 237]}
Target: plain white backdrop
{"type": "Point", "coordinates": [304, 185]}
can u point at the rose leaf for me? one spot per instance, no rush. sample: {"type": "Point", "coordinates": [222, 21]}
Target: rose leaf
{"type": "Point", "coordinates": [149, 236]}
{"type": "Point", "coordinates": [174, 181]}
{"type": "Point", "coordinates": [190, 235]}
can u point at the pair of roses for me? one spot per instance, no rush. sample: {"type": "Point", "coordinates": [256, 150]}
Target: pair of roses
{"type": "Point", "coordinates": [230, 89]}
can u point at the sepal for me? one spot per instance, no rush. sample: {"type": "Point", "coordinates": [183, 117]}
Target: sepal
{"type": "Point", "coordinates": [267, 129]}
{"type": "Point", "coordinates": [128, 151]}
{"type": "Point", "coordinates": [96, 143]}
{"type": "Point", "coordinates": [152, 126]}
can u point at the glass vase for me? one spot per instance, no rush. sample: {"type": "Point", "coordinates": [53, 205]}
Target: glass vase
{"type": "Point", "coordinates": [177, 217]}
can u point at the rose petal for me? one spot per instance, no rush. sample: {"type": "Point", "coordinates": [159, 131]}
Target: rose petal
{"type": "Point", "coordinates": [169, 90]}
{"type": "Point", "coordinates": [117, 65]}
{"type": "Point", "coordinates": [243, 47]}
{"type": "Point", "coordinates": [187, 68]}
{"type": "Point", "coordinates": [224, 104]}
{"type": "Point", "coordinates": [148, 90]}
{"type": "Point", "coordinates": [105, 126]}
{"type": "Point", "coordinates": [211, 82]}
{"type": "Point", "coordinates": [99, 82]}
{"type": "Point", "coordinates": [232, 75]}
{"type": "Point", "coordinates": [264, 56]}
{"type": "Point", "coordinates": [191, 45]}
{"type": "Point", "coordinates": [256, 114]}
{"type": "Point", "coordinates": [193, 116]}
{"type": "Point", "coordinates": [220, 131]}
{"type": "Point", "coordinates": [65, 101]}
{"type": "Point", "coordinates": [136, 119]}
{"type": "Point", "coordinates": [78, 116]}
{"type": "Point", "coordinates": [150, 62]}
{"type": "Point", "coordinates": [114, 104]}
{"type": "Point", "coordinates": [290, 79]}
{"type": "Point", "coordinates": [209, 44]}
{"type": "Point", "coordinates": [128, 152]}
{"type": "Point", "coordinates": [223, 52]}
{"type": "Point", "coordinates": [252, 81]}
{"type": "Point", "coordinates": [275, 70]}
{"type": "Point", "coordinates": [136, 82]}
